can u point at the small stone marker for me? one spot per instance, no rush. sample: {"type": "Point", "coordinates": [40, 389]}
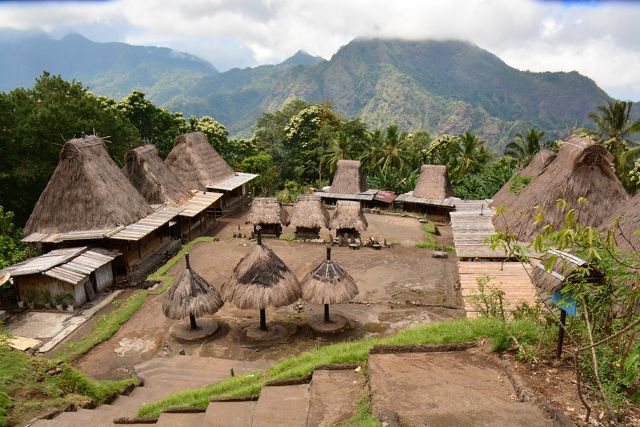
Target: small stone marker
{"type": "Point", "coordinates": [439, 254]}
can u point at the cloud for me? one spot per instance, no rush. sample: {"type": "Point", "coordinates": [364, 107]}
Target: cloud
{"type": "Point", "coordinates": [600, 40]}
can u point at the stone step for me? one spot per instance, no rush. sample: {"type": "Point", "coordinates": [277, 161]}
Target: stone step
{"type": "Point", "coordinates": [334, 396]}
{"type": "Point", "coordinates": [282, 406]}
{"type": "Point", "coordinates": [203, 373]}
{"type": "Point", "coordinates": [182, 420]}
{"type": "Point", "coordinates": [230, 414]}
{"type": "Point", "coordinates": [201, 362]}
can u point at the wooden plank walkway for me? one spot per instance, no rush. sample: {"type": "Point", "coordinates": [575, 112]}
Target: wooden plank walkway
{"type": "Point", "coordinates": [512, 278]}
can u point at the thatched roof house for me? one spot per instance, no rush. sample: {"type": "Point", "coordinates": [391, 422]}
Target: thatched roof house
{"type": "Point", "coordinates": [536, 166]}
{"type": "Point", "coordinates": [152, 178]}
{"type": "Point", "coordinates": [328, 283]}
{"type": "Point", "coordinates": [190, 296]}
{"type": "Point", "coordinates": [582, 169]}
{"type": "Point", "coordinates": [432, 188]}
{"type": "Point", "coordinates": [309, 213]}
{"type": "Point", "coordinates": [348, 178]}
{"type": "Point", "coordinates": [267, 210]}
{"type": "Point", "coordinates": [196, 163]}
{"type": "Point", "coordinates": [624, 222]}
{"type": "Point", "coordinates": [87, 191]}
{"type": "Point", "coordinates": [348, 215]}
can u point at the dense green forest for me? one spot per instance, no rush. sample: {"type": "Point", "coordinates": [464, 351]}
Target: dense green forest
{"type": "Point", "coordinates": [293, 149]}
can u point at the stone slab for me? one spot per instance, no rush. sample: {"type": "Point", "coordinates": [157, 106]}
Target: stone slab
{"type": "Point", "coordinates": [282, 406]}
{"type": "Point", "coordinates": [334, 396]}
{"type": "Point", "coordinates": [183, 331]}
{"type": "Point", "coordinates": [230, 414]}
{"type": "Point", "coordinates": [457, 388]}
{"type": "Point", "coordinates": [337, 324]}
{"type": "Point", "coordinates": [181, 420]}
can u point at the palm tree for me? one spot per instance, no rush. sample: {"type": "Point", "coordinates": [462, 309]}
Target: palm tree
{"type": "Point", "coordinates": [471, 156]}
{"type": "Point", "coordinates": [340, 148]}
{"type": "Point", "coordinates": [373, 149]}
{"type": "Point", "coordinates": [523, 148]}
{"type": "Point", "coordinates": [394, 153]}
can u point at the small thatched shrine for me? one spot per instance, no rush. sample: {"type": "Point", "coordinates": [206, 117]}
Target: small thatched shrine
{"type": "Point", "coordinates": [152, 178]}
{"type": "Point", "coordinates": [509, 191]}
{"type": "Point", "coordinates": [433, 193]}
{"type": "Point", "coordinates": [260, 280]}
{"type": "Point", "coordinates": [199, 166]}
{"type": "Point", "coordinates": [348, 219]}
{"type": "Point", "coordinates": [268, 213]}
{"type": "Point", "coordinates": [191, 296]}
{"type": "Point", "coordinates": [309, 216]}
{"type": "Point", "coordinates": [624, 222]}
{"type": "Point", "coordinates": [582, 169]}
{"type": "Point", "coordinates": [328, 283]}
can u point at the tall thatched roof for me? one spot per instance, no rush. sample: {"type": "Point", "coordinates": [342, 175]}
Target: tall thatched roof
{"type": "Point", "coordinates": [152, 178]}
{"type": "Point", "coordinates": [624, 221]}
{"type": "Point", "coordinates": [267, 210]}
{"type": "Point", "coordinates": [196, 163]}
{"type": "Point", "coordinates": [433, 183]}
{"type": "Point", "coordinates": [581, 169]}
{"type": "Point", "coordinates": [536, 166]}
{"type": "Point", "coordinates": [190, 294]}
{"type": "Point", "coordinates": [309, 212]}
{"type": "Point", "coordinates": [87, 191]}
{"type": "Point", "coordinates": [348, 178]}
{"type": "Point", "coordinates": [328, 283]}
{"type": "Point", "coordinates": [261, 279]}
{"type": "Point", "coordinates": [348, 214]}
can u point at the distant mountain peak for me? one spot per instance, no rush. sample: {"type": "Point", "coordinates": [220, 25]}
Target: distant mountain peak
{"type": "Point", "coordinates": [303, 58]}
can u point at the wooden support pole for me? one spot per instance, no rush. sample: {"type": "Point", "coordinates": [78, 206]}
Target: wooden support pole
{"type": "Point", "coordinates": [263, 319]}
{"type": "Point", "coordinates": [192, 320]}
{"type": "Point", "coordinates": [139, 250]}
{"type": "Point", "coordinates": [563, 320]}
{"type": "Point", "coordinates": [326, 313]}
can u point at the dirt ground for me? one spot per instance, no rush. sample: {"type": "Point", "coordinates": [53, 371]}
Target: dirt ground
{"type": "Point", "coordinates": [399, 287]}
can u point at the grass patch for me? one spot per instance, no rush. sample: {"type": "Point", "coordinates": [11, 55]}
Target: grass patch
{"type": "Point", "coordinates": [501, 334]}
{"type": "Point", "coordinates": [30, 385]}
{"type": "Point", "coordinates": [109, 324]}
{"type": "Point", "coordinates": [427, 245]}
{"type": "Point", "coordinates": [363, 416]}
{"type": "Point", "coordinates": [429, 229]}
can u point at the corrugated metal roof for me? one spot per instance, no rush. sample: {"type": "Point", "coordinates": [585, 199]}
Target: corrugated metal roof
{"type": "Point", "coordinates": [43, 262]}
{"type": "Point", "coordinates": [199, 202]}
{"type": "Point", "coordinates": [77, 269]}
{"type": "Point", "coordinates": [449, 202]}
{"type": "Point", "coordinates": [232, 182]}
{"type": "Point", "coordinates": [71, 235]}
{"type": "Point", "coordinates": [147, 224]}
{"type": "Point", "coordinates": [385, 196]}
{"type": "Point", "coordinates": [366, 196]}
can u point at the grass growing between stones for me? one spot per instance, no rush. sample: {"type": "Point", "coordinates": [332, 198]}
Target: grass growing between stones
{"type": "Point", "coordinates": [31, 385]}
{"type": "Point", "coordinates": [109, 324]}
{"type": "Point", "coordinates": [500, 333]}
{"type": "Point", "coordinates": [363, 416]}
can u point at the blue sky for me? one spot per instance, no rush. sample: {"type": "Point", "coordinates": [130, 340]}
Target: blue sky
{"type": "Point", "coordinates": [599, 39]}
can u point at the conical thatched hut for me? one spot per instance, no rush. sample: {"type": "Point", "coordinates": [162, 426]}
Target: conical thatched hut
{"type": "Point", "coordinates": [328, 283]}
{"type": "Point", "coordinates": [268, 213]}
{"type": "Point", "coordinates": [261, 279]}
{"type": "Point", "coordinates": [624, 222]}
{"type": "Point", "coordinates": [506, 195]}
{"type": "Point", "coordinates": [196, 163]}
{"type": "Point", "coordinates": [309, 216]}
{"type": "Point", "coordinates": [191, 296]}
{"type": "Point", "coordinates": [87, 191]}
{"type": "Point", "coordinates": [582, 169]}
{"type": "Point", "coordinates": [433, 193]}
{"type": "Point", "coordinates": [348, 178]}
{"type": "Point", "coordinates": [348, 219]}
{"type": "Point", "coordinates": [152, 178]}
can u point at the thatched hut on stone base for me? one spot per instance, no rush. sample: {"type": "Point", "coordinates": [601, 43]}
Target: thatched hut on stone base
{"type": "Point", "coordinates": [309, 216]}
{"type": "Point", "coordinates": [348, 219]}
{"type": "Point", "coordinates": [268, 213]}
{"type": "Point", "coordinates": [89, 202]}
{"type": "Point", "coordinates": [348, 184]}
{"type": "Point", "coordinates": [582, 169]}
{"type": "Point", "coordinates": [260, 280]}
{"type": "Point", "coordinates": [509, 191]}
{"type": "Point", "coordinates": [191, 296]}
{"type": "Point", "coordinates": [199, 166]}
{"type": "Point", "coordinates": [433, 193]}
{"type": "Point", "coordinates": [328, 283]}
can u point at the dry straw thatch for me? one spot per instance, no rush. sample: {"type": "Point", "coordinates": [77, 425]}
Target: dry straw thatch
{"type": "Point", "coordinates": [433, 183]}
{"type": "Point", "coordinates": [190, 295]}
{"type": "Point", "coordinates": [348, 178]}
{"type": "Point", "coordinates": [348, 214]}
{"type": "Point", "coordinates": [537, 166]}
{"type": "Point", "coordinates": [152, 178]}
{"type": "Point", "coordinates": [328, 283]}
{"type": "Point", "coordinates": [309, 212]}
{"type": "Point", "coordinates": [582, 169]}
{"type": "Point", "coordinates": [261, 279]}
{"type": "Point", "coordinates": [196, 163]}
{"type": "Point", "coordinates": [267, 210]}
{"type": "Point", "coordinates": [624, 222]}
{"type": "Point", "coordinates": [87, 191]}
